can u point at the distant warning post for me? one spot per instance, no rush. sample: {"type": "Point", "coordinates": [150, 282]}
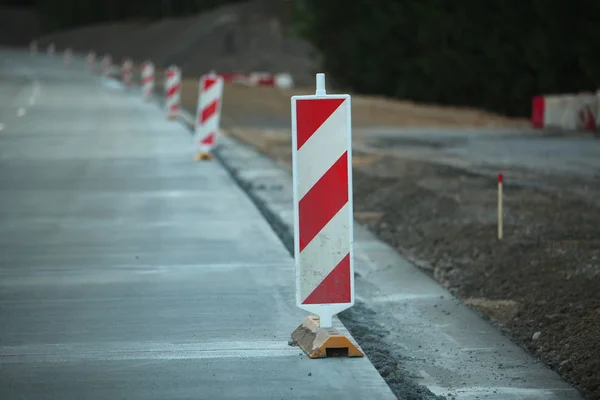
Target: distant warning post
{"type": "Point", "coordinates": [148, 80]}
{"type": "Point", "coordinates": [323, 223]}
{"type": "Point", "coordinates": [68, 56]}
{"type": "Point", "coordinates": [172, 91]}
{"type": "Point", "coordinates": [208, 114]}
{"type": "Point", "coordinates": [106, 65]}
{"type": "Point", "coordinates": [127, 72]}
{"type": "Point", "coordinates": [90, 61]}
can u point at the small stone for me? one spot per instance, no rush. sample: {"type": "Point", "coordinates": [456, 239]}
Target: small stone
{"type": "Point", "coordinates": [536, 336]}
{"type": "Point", "coordinates": [310, 374]}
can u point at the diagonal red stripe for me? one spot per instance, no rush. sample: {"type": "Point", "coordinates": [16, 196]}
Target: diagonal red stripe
{"type": "Point", "coordinates": [209, 111]}
{"type": "Point", "coordinates": [208, 82]}
{"type": "Point", "coordinates": [323, 201]}
{"type": "Point", "coordinates": [335, 288]}
{"type": "Point", "coordinates": [310, 115]}
{"type": "Point", "coordinates": [172, 90]}
{"type": "Point", "coordinates": [209, 140]}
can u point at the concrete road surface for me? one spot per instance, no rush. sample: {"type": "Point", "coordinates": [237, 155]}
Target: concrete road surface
{"type": "Point", "coordinates": [127, 271]}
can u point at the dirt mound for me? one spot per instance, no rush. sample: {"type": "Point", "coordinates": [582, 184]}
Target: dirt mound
{"type": "Point", "coordinates": [102, 38]}
{"type": "Point", "coordinates": [18, 26]}
{"type": "Point", "coordinates": [245, 37]}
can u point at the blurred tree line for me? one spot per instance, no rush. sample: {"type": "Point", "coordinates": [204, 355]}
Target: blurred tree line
{"type": "Point", "coordinates": [493, 54]}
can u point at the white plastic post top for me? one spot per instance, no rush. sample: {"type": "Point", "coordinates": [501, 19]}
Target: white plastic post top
{"type": "Point", "coordinates": [320, 85]}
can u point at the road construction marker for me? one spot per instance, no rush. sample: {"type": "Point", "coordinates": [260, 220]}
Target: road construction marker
{"type": "Point", "coordinates": [282, 80]}
{"type": "Point", "coordinates": [68, 56]}
{"type": "Point", "coordinates": [208, 114]}
{"type": "Point", "coordinates": [323, 223]}
{"type": "Point", "coordinates": [172, 91]}
{"type": "Point", "coordinates": [36, 88]}
{"type": "Point", "coordinates": [500, 216]}
{"type": "Point", "coordinates": [148, 80]}
{"type": "Point", "coordinates": [51, 49]}
{"type": "Point", "coordinates": [90, 61]}
{"type": "Point", "coordinates": [572, 112]}
{"type": "Point", "coordinates": [106, 65]}
{"type": "Point", "coordinates": [127, 72]}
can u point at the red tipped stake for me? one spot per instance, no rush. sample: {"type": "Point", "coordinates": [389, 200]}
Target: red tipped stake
{"type": "Point", "coordinates": [500, 183]}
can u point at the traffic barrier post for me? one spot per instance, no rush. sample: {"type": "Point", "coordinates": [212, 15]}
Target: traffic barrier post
{"type": "Point", "coordinates": [106, 65]}
{"type": "Point", "coordinates": [323, 223]}
{"type": "Point", "coordinates": [90, 61]}
{"type": "Point", "coordinates": [208, 114]}
{"type": "Point", "coordinates": [68, 56]}
{"type": "Point", "coordinates": [147, 80]}
{"type": "Point", "coordinates": [127, 72]}
{"type": "Point", "coordinates": [172, 91]}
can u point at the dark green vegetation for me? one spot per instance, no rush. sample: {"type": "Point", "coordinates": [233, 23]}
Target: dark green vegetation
{"type": "Point", "coordinates": [492, 54]}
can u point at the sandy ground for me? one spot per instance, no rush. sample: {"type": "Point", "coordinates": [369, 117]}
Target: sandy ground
{"type": "Point", "coordinates": [367, 111]}
{"type": "Point", "coordinates": [540, 284]}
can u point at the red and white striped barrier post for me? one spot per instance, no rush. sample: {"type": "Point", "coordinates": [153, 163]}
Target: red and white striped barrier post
{"type": "Point", "coordinates": [90, 61]}
{"type": "Point", "coordinates": [587, 111]}
{"type": "Point", "coordinates": [33, 47]}
{"type": "Point", "coordinates": [282, 80]}
{"type": "Point", "coordinates": [148, 80]}
{"type": "Point", "coordinates": [323, 223]}
{"type": "Point", "coordinates": [106, 65]}
{"type": "Point", "coordinates": [127, 72]}
{"type": "Point", "coordinates": [322, 166]}
{"type": "Point", "coordinates": [68, 56]}
{"type": "Point", "coordinates": [571, 112]}
{"type": "Point", "coordinates": [208, 114]}
{"type": "Point", "coordinates": [51, 49]}
{"type": "Point", "coordinates": [172, 91]}
{"type": "Point", "coordinates": [500, 210]}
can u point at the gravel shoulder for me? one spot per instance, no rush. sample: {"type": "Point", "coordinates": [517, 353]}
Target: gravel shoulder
{"type": "Point", "coordinates": [540, 285]}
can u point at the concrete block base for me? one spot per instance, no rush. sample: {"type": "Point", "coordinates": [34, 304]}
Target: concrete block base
{"type": "Point", "coordinates": [320, 342]}
{"type": "Point", "coordinates": [203, 156]}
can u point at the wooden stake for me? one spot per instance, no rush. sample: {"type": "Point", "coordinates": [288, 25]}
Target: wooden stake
{"type": "Point", "coordinates": [500, 183]}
